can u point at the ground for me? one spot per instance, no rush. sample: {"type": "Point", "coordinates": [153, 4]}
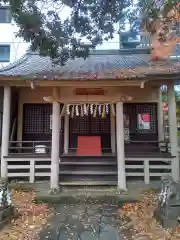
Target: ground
{"type": "Point", "coordinates": [81, 215]}
{"type": "Point", "coordinates": [84, 222]}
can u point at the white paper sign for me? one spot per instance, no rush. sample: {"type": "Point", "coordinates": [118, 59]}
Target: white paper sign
{"type": "Point", "coordinates": [126, 134]}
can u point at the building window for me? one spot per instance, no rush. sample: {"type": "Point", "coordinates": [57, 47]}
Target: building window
{"type": "Point", "coordinates": [129, 39]}
{"type": "Point", "coordinates": [5, 15]}
{"type": "Point", "coordinates": [4, 53]}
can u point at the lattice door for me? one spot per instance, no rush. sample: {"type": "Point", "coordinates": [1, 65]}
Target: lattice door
{"type": "Point", "coordinates": [151, 110]}
{"type": "Point", "coordinates": [37, 122]}
{"type": "Point", "coordinates": [33, 120]}
{"type": "Point", "coordinates": [132, 110]}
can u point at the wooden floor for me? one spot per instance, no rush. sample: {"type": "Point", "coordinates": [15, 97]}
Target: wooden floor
{"type": "Point", "coordinates": [104, 155]}
{"type": "Point", "coordinates": [127, 154]}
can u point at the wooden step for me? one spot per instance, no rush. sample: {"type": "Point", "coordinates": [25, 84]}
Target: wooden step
{"type": "Point", "coordinates": [92, 168]}
{"type": "Point", "coordinates": [93, 159]}
{"type": "Point", "coordinates": [88, 172]}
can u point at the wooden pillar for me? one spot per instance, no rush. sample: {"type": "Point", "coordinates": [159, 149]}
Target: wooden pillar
{"type": "Point", "coordinates": [5, 129]}
{"type": "Point", "coordinates": [173, 131]}
{"type": "Point", "coordinates": [160, 118]}
{"type": "Point", "coordinates": [56, 124]}
{"type": "Point", "coordinates": [66, 133]}
{"type": "Point", "coordinates": [113, 133]}
{"type": "Point", "coordinates": [120, 146]}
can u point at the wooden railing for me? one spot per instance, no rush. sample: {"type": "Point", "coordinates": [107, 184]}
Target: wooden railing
{"type": "Point", "coordinates": [131, 147]}
{"type": "Point", "coordinates": [147, 147]}
{"type": "Point", "coordinates": [22, 164]}
{"type": "Point", "coordinates": [148, 168]}
{"type": "Point", "coordinates": [30, 147]}
{"type": "Point", "coordinates": [39, 168]}
{"type": "Point", "coordinates": [30, 169]}
{"type": "Point", "coordinates": [140, 148]}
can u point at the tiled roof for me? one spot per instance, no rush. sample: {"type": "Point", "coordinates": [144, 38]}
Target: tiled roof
{"type": "Point", "coordinates": [113, 65]}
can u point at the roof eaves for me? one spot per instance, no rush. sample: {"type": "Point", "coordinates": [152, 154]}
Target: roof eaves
{"type": "Point", "coordinates": [14, 64]}
{"type": "Point", "coordinates": [163, 76]}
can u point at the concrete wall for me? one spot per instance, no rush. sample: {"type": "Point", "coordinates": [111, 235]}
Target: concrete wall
{"type": "Point", "coordinates": [8, 37]}
{"type": "Point", "coordinates": [1, 98]}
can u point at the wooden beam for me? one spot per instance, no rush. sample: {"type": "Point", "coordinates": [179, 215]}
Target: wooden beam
{"type": "Point", "coordinates": [56, 93]}
{"type": "Point", "coordinates": [86, 84]}
{"type": "Point", "coordinates": [49, 99]}
{"type": "Point", "coordinates": [32, 84]}
{"type": "Point", "coordinates": [83, 84]}
{"type": "Point", "coordinates": [142, 84]}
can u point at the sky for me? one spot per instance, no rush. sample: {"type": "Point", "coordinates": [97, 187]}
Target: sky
{"type": "Point", "coordinates": [64, 12]}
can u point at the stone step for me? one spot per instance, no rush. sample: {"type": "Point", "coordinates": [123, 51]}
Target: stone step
{"type": "Point", "coordinates": [84, 179]}
{"type": "Point", "coordinates": [88, 183]}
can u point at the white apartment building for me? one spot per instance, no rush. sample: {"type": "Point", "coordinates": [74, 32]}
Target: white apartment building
{"type": "Point", "coordinates": [11, 47]}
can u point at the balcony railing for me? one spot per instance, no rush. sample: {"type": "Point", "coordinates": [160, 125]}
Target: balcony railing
{"type": "Point", "coordinates": [143, 41]}
{"type": "Point", "coordinates": [145, 148]}
{"type": "Point", "coordinates": [35, 168]}
{"type": "Point", "coordinates": [30, 147]}
{"type": "Point", "coordinates": [132, 148]}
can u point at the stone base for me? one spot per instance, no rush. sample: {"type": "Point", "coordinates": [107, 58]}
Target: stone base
{"type": "Point", "coordinates": [6, 216]}
{"type": "Point", "coordinates": [169, 223]}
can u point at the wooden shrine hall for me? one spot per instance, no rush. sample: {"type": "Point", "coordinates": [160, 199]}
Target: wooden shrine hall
{"type": "Point", "coordinates": [97, 121]}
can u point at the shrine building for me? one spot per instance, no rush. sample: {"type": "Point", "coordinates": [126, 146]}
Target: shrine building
{"type": "Point", "coordinates": [97, 121]}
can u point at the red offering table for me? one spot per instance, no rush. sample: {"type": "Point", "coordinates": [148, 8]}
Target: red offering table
{"type": "Point", "coordinates": [89, 146]}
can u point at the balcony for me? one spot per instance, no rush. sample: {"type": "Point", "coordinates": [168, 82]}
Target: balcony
{"type": "Point", "coordinates": [132, 40]}
{"type": "Point", "coordinates": [124, 40]}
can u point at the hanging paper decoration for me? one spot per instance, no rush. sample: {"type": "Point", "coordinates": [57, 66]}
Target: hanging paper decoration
{"type": "Point", "coordinates": [67, 109]}
{"type": "Point", "coordinates": [107, 108]}
{"type": "Point", "coordinates": [99, 109]}
{"type": "Point", "coordinates": [91, 109]}
{"type": "Point", "coordinates": [103, 111]}
{"type": "Point", "coordinates": [82, 112]}
{"type": "Point", "coordinates": [85, 109]}
{"type": "Point", "coordinates": [77, 110]}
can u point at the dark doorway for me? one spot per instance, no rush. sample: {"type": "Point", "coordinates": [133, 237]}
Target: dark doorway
{"type": "Point", "coordinates": [90, 126]}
